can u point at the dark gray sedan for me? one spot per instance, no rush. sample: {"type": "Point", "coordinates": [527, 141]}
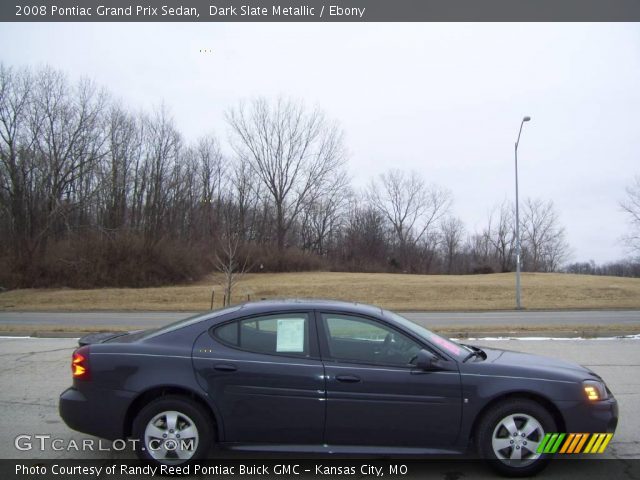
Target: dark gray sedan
{"type": "Point", "coordinates": [321, 376]}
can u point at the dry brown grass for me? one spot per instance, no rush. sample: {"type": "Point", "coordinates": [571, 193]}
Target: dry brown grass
{"type": "Point", "coordinates": [394, 291]}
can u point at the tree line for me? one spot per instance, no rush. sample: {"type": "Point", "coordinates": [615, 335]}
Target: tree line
{"type": "Point", "coordinates": [96, 193]}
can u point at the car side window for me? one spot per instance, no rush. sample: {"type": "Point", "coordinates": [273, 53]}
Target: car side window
{"type": "Point", "coordinates": [281, 334]}
{"type": "Point", "coordinates": [360, 340]}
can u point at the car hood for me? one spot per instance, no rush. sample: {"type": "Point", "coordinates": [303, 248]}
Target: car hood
{"type": "Point", "coordinates": [527, 362]}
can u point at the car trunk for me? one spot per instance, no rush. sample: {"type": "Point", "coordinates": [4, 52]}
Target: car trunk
{"type": "Point", "coordinates": [102, 337]}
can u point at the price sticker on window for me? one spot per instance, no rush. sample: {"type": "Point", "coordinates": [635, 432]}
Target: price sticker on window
{"type": "Point", "coordinates": [290, 335]}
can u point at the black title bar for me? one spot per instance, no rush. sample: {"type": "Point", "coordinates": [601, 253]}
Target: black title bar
{"type": "Point", "coordinates": [320, 11]}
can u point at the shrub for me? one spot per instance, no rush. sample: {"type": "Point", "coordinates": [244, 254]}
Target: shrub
{"type": "Point", "coordinates": [122, 259]}
{"type": "Point", "coordinates": [482, 269]}
{"type": "Point", "coordinates": [269, 259]}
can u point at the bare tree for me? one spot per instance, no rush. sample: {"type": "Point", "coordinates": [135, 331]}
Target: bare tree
{"type": "Point", "coordinates": [452, 231]}
{"type": "Point", "coordinates": [15, 168]}
{"type": "Point", "coordinates": [295, 153]}
{"type": "Point", "coordinates": [163, 145]}
{"type": "Point", "coordinates": [481, 253]}
{"type": "Point", "coordinates": [322, 218]}
{"type": "Point", "coordinates": [115, 172]}
{"type": "Point", "coordinates": [631, 205]}
{"type": "Point", "coordinates": [211, 171]}
{"type": "Point", "coordinates": [410, 206]}
{"type": "Point", "coordinates": [70, 140]}
{"type": "Point", "coordinates": [95, 194]}
{"type": "Point", "coordinates": [247, 193]}
{"type": "Point", "coordinates": [229, 265]}
{"type": "Point", "coordinates": [543, 238]}
{"type": "Point", "coordinates": [52, 140]}
{"type": "Point", "coordinates": [229, 258]}
{"type": "Point", "coordinates": [501, 234]}
{"type": "Point", "coordinates": [363, 244]}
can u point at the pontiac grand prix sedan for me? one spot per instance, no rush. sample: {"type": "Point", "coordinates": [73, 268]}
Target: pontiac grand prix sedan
{"type": "Point", "coordinates": [324, 376]}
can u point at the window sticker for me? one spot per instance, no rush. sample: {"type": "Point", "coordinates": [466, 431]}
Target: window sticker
{"type": "Point", "coordinates": [290, 335]}
{"type": "Point", "coordinates": [446, 344]}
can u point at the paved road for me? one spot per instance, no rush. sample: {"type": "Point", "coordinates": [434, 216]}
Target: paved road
{"type": "Point", "coordinates": [586, 317]}
{"type": "Point", "coordinates": [429, 319]}
{"type": "Point", "coordinates": [41, 367]}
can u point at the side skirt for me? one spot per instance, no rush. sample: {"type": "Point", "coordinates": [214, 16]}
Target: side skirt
{"type": "Point", "coordinates": [338, 449]}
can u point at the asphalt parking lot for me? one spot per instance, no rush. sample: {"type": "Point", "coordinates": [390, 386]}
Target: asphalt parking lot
{"type": "Point", "coordinates": [35, 371]}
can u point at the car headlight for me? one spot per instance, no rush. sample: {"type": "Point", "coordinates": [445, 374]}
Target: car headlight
{"type": "Point", "coordinates": [595, 390]}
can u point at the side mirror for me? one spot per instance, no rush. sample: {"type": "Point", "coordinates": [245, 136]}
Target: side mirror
{"type": "Point", "coordinates": [427, 360]}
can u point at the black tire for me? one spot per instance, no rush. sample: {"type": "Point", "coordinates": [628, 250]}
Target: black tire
{"type": "Point", "coordinates": [190, 415]}
{"type": "Point", "coordinates": [521, 411]}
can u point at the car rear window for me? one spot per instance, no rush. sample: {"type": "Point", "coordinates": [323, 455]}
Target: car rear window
{"type": "Point", "coordinates": [185, 322]}
{"type": "Point", "coordinates": [280, 334]}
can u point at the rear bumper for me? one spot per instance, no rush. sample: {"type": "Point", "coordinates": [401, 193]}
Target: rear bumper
{"type": "Point", "coordinates": [98, 412]}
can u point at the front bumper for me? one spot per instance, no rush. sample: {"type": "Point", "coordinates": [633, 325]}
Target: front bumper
{"type": "Point", "coordinates": [596, 417]}
{"type": "Point", "coordinates": [98, 412]}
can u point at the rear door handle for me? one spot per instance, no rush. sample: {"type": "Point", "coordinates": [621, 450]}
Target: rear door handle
{"type": "Point", "coordinates": [225, 367]}
{"type": "Point", "coordinates": [347, 378]}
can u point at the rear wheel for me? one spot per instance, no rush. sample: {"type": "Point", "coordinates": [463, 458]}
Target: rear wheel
{"type": "Point", "coordinates": [172, 430]}
{"type": "Point", "coordinates": [508, 437]}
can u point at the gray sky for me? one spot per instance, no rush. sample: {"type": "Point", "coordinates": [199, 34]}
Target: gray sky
{"type": "Point", "coordinates": [443, 99]}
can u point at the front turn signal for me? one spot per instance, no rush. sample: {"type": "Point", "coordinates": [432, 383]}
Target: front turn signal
{"type": "Point", "coordinates": [594, 390]}
{"type": "Point", "coordinates": [592, 393]}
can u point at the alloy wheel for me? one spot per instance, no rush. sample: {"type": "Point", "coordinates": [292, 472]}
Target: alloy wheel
{"type": "Point", "coordinates": [171, 437]}
{"type": "Point", "coordinates": [516, 438]}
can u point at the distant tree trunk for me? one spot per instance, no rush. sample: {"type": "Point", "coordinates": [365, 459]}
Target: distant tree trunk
{"type": "Point", "coordinates": [631, 205]}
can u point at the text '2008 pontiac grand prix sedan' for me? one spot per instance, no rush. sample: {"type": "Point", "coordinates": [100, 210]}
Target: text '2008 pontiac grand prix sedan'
{"type": "Point", "coordinates": [320, 376]}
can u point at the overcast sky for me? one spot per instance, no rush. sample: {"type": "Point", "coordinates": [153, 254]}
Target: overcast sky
{"type": "Point", "coordinates": [443, 99]}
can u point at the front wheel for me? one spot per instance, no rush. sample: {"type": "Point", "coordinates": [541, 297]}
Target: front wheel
{"type": "Point", "coordinates": [172, 430]}
{"type": "Point", "coordinates": [508, 437]}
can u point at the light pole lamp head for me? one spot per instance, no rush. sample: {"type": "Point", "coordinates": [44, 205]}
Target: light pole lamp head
{"type": "Point", "coordinates": [526, 119]}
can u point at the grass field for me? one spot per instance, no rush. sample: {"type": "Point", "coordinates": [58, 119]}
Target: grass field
{"type": "Point", "coordinates": [394, 291]}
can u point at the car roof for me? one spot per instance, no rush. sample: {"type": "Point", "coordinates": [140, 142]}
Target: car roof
{"type": "Point", "coordinates": [266, 307]}
{"type": "Point", "coordinates": [308, 304]}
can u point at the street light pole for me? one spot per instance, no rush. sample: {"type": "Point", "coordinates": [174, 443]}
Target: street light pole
{"type": "Point", "coordinates": [518, 300]}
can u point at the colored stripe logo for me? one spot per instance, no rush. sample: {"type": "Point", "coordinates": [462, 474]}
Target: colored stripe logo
{"type": "Point", "coordinates": [574, 443]}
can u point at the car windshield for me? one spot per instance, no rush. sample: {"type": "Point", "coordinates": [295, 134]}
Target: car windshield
{"type": "Point", "coordinates": [452, 348]}
{"type": "Point", "coordinates": [190, 321]}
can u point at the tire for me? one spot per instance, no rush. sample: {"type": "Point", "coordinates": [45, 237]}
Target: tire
{"type": "Point", "coordinates": [507, 437]}
{"type": "Point", "coordinates": [173, 430]}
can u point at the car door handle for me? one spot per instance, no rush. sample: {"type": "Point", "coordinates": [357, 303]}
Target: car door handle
{"type": "Point", "coordinates": [225, 367]}
{"type": "Point", "coordinates": [347, 378]}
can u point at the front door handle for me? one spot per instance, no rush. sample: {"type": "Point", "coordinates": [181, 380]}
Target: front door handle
{"type": "Point", "coordinates": [225, 367]}
{"type": "Point", "coordinates": [347, 378]}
